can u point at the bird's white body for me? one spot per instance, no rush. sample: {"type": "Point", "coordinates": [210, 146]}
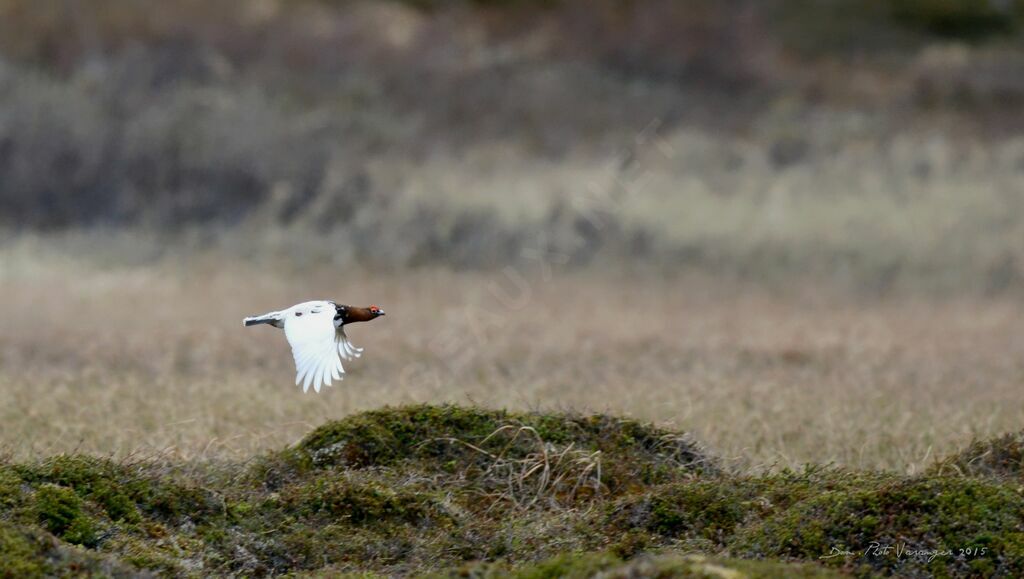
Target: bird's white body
{"type": "Point", "coordinates": [316, 334]}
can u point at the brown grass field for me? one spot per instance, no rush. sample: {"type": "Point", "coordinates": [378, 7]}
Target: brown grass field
{"type": "Point", "coordinates": [153, 360]}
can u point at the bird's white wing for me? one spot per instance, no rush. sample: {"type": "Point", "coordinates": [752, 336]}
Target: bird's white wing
{"type": "Point", "coordinates": [346, 349]}
{"type": "Point", "coordinates": [310, 330]}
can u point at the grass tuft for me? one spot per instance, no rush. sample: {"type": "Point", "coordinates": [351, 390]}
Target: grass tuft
{"type": "Point", "coordinates": [1001, 457]}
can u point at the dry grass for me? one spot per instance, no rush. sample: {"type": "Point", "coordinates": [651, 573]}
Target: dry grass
{"type": "Point", "coordinates": [153, 359]}
{"type": "Point", "coordinates": [543, 475]}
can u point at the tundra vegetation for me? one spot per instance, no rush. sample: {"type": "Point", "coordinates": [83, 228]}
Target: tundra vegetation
{"type": "Point", "coordinates": [460, 491]}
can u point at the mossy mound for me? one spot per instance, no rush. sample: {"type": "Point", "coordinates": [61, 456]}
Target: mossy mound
{"type": "Point", "coordinates": [470, 492]}
{"type": "Point", "coordinates": [126, 492]}
{"type": "Point", "coordinates": [707, 514]}
{"type": "Point", "coordinates": [83, 515]}
{"type": "Point", "coordinates": [1001, 457]}
{"type": "Point", "coordinates": [909, 527]}
{"type": "Point", "coordinates": [479, 443]}
{"type": "Point", "coordinates": [27, 552]}
{"type": "Point", "coordinates": [866, 523]}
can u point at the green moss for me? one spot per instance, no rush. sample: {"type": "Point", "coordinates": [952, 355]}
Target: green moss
{"type": "Point", "coordinates": [18, 556]}
{"type": "Point", "coordinates": [804, 515]}
{"type": "Point", "coordinates": [585, 565]}
{"type": "Point", "coordinates": [96, 479]}
{"type": "Point", "coordinates": [174, 500]}
{"type": "Point", "coordinates": [313, 547]}
{"type": "Point", "coordinates": [455, 439]}
{"type": "Point", "coordinates": [60, 510]}
{"type": "Point", "coordinates": [569, 566]}
{"type": "Point", "coordinates": [930, 513]}
{"type": "Point", "coordinates": [704, 567]}
{"type": "Point", "coordinates": [10, 487]}
{"type": "Point", "coordinates": [121, 490]}
{"type": "Point", "coordinates": [707, 509]}
{"type": "Point", "coordinates": [418, 498]}
{"type": "Point", "coordinates": [706, 513]}
{"type": "Point", "coordinates": [28, 552]}
{"type": "Point", "coordinates": [340, 498]}
{"type": "Point", "coordinates": [385, 436]}
{"type": "Point", "coordinates": [763, 569]}
{"type": "Point", "coordinates": [149, 554]}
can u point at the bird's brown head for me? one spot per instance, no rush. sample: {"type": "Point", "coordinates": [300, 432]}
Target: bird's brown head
{"type": "Point", "coordinates": [350, 314]}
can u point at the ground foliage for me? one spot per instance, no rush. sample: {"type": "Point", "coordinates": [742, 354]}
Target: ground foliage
{"type": "Point", "coordinates": [456, 491]}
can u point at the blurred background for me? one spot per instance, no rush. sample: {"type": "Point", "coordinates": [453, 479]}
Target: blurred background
{"type": "Point", "coordinates": [803, 216]}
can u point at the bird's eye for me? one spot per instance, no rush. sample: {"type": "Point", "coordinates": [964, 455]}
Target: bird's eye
{"type": "Point", "coordinates": [298, 314]}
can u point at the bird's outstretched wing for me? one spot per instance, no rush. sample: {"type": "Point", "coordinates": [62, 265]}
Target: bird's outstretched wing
{"type": "Point", "coordinates": [310, 331]}
{"type": "Point", "coordinates": [346, 349]}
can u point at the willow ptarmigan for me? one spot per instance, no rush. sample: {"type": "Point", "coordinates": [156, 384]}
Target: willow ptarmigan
{"type": "Point", "coordinates": [316, 332]}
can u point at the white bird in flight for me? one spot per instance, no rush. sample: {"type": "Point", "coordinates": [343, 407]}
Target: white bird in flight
{"type": "Point", "coordinates": [316, 332]}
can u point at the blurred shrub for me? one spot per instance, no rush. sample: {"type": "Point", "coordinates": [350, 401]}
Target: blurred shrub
{"type": "Point", "coordinates": [53, 144]}
{"type": "Point", "coordinates": [377, 131]}
{"type": "Point", "coordinates": [864, 27]}
{"type": "Point", "coordinates": [966, 19]}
